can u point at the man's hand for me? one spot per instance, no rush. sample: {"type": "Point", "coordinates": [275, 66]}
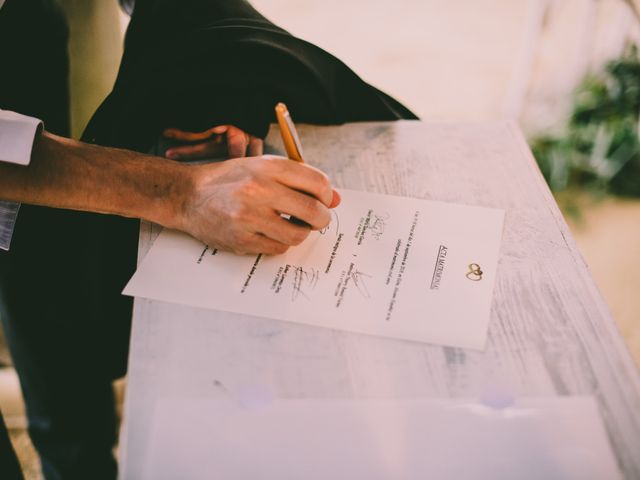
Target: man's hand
{"type": "Point", "coordinates": [236, 205]}
{"type": "Point", "coordinates": [224, 140]}
{"type": "Point", "coordinates": [233, 205]}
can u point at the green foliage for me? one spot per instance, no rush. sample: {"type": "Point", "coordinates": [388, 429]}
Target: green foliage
{"type": "Point", "coordinates": [600, 148]}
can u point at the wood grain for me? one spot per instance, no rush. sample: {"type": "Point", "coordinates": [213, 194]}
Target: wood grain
{"type": "Point", "coordinates": [550, 333]}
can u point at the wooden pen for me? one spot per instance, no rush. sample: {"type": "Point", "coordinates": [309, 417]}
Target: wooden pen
{"type": "Point", "coordinates": [289, 134]}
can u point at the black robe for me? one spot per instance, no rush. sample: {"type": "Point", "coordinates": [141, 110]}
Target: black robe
{"type": "Point", "coordinates": [194, 64]}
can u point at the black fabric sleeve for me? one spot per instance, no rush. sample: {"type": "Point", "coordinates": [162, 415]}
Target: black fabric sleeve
{"type": "Point", "coordinates": [194, 64]}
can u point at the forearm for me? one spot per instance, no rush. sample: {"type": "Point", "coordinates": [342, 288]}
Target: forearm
{"type": "Point", "coordinates": [67, 174]}
{"type": "Point", "coordinates": [233, 205]}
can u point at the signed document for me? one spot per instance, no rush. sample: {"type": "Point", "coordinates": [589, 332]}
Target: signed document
{"type": "Point", "coordinates": [388, 266]}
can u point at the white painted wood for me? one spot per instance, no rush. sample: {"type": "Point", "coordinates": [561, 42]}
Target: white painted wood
{"type": "Point", "coordinates": [550, 334]}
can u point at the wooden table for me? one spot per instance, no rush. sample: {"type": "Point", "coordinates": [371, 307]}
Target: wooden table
{"type": "Point", "coordinates": [550, 334]}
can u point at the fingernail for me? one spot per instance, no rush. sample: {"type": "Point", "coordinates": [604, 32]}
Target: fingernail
{"type": "Point", "coordinates": [336, 199]}
{"type": "Point", "coordinates": [171, 154]}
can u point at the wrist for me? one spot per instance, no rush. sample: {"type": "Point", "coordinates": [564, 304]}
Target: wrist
{"type": "Point", "coordinates": [175, 203]}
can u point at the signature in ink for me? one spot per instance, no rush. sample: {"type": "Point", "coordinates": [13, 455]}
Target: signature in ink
{"type": "Point", "coordinates": [358, 279]}
{"type": "Point", "coordinates": [331, 226]}
{"type": "Point", "coordinates": [303, 281]}
{"type": "Point", "coordinates": [377, 225]}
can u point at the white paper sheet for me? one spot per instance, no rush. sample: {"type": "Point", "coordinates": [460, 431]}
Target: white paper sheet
{"type": "Point", "coordinates": [533, 439]}
{"type": "Point", "coordinates": [388, 266]}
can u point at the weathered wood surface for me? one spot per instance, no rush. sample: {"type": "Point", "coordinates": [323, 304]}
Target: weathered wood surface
{"type": "Point", "coordinates": [550, 333]}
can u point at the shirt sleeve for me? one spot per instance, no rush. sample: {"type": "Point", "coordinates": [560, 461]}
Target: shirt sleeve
{"type": "Point", "coordinates": [17, 133]}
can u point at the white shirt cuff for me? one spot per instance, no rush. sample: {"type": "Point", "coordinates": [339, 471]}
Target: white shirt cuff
{"type": "Point", "coordinates": [17, 133]}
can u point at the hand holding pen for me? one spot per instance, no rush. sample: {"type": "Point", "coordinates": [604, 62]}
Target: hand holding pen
{"type": "Point", "coordinates": [240, 202]}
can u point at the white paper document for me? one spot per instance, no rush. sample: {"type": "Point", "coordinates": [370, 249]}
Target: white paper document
{"type": "Point", "coordinates": [388, 266]}
{"type": "Point", "coordinates": [418, 439]}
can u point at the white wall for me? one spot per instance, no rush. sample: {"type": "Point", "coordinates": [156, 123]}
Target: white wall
{"type": "Point", "coordinates": [467, 59]}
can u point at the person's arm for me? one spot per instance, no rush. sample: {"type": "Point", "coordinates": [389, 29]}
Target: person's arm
{"type": "Point", "coordinates": [233, 205]}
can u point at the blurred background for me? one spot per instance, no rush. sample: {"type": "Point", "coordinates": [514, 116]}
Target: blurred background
{"type": "Point", "coordinates": [567, 71]}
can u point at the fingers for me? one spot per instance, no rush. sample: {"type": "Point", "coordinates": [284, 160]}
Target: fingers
{"type": "Point", "coordinates": [194, 136]}
{"type": "Point", "coordinates": [212, 149]}
{"type": "Point", "coordinates": [237, 142]}
{"type": "Point", "coordinates": [256, 147]}
{"type": "Point", "coordinates": [301, 206]}
{"type": "Point", "coordinates": [247, 243]}
{"type": "Point", "coordinates": [268, 232]}
{"type": "Point", "coordinates": [336, 199]}
{"type": "Point", "coordinates": [242, 144]}
{"type": "Point", "coordinates": [272, 225]}
{"type": "Point", "coordinates": [256, 243]}
{"type": "Point", "coordinates": [298, 176]}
